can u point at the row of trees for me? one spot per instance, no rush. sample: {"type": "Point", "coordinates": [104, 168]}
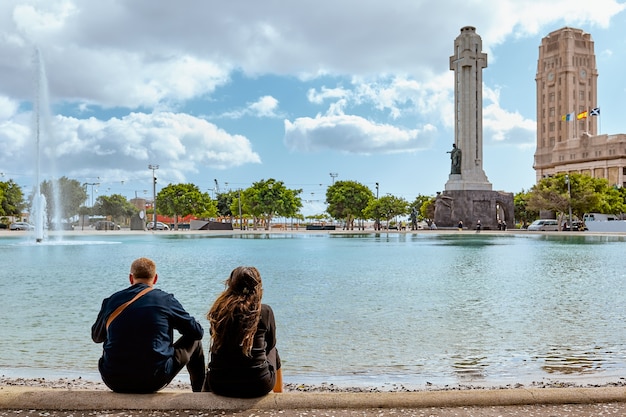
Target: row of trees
{"type": "Point", "coordinates": [557, 194]}
{"type": "Point", "coordinates": [347, 201]}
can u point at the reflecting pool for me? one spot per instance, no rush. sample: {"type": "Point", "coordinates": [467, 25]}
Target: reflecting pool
{"type": "Point", "coordinates": [351, 309]}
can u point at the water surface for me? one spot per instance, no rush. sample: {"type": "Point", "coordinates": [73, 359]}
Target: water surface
{"type": "Point", "coordinates": [362, 309]}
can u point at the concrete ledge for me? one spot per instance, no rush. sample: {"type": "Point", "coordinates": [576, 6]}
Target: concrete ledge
{"type": "Point", "coordinates": [60, 399]}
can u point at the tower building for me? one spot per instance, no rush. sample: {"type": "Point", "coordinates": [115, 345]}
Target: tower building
{"type": "Point", "coordinates": [568, 112]}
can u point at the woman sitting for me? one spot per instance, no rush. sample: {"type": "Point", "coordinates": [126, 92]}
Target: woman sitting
{"type": "Point", "coordinates": [244, 361]}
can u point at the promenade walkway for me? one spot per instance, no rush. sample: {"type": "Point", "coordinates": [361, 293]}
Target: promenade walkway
{"type": "Point", "coordinates": [549, 402]}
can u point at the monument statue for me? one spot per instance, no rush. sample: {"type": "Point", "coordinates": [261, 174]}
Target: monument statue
{"type": "Point", "coordinates": [455, 157]}
{"type": "Point", "coordinates": [468, 194]}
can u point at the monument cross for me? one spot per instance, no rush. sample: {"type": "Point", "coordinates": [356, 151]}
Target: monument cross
{"type": "Point", "coordinates": [468, 198]}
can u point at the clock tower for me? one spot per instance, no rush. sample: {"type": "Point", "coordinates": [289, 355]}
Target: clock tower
{"type": "Point", "coordinates": [566, 88]}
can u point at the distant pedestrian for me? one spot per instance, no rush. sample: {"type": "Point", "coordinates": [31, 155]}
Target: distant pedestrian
{"type": "Point", "coordinates": [478, 226]}
{"type": "Point", "coordinates": [460, 225]}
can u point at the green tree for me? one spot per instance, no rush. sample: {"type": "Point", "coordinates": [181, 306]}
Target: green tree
{"type": "Point", "coordinates": [11, 199]}
{"type": "Point", "coordinates": [267, 199]}
{"type": "Point", "coordinates": [522, 212]}
{"type": "Point", "coordinates": [224, 202]}
{"type": "Point", "coordinates": [427, 210]}
{"type": "Point", "coordinates": [584, 194]}
{"type": "Point", "coordinates": [346, 200]}
{"type": "Point", "coordinates": [70, 196]}
{"type": "Point", "coordinates": [386, 208]}
{"type": "Point", "coordinates": [116, 206]}
{"type": "Point", "coordinates": [180, 200]}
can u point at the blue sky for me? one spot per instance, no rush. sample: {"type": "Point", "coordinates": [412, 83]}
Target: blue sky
{"type": "Point", "coordinates": [248, 90]}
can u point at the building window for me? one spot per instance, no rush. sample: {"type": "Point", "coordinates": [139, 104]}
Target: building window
{"type": "Point", "coordinates": [551, 111]}
{"type": "Point", "coordinates": [551, 97]}
{"type": "Point", "coordinates": [552, 126]}
{"type": "Point", "coordinates": [581, 94]}
{"type": "Point", "coordinates": [551, 142]}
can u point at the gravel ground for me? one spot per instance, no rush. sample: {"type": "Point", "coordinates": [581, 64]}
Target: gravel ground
{"type": "Point", "coordinates": [80, 383]}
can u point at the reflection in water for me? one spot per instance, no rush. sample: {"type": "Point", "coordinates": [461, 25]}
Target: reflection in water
{"type": "Point", "coordinates": [567, 360]}
{"type": "Point", "coordinates": [470, 368]}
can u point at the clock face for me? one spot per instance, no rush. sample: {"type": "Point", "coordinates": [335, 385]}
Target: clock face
{"type": "Point", "coordinates": [583, 73]}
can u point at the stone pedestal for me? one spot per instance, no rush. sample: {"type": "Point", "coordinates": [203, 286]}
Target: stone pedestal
{"type": "Point", "coordinates": [458, 182]}
{"type": "Point", "coordinates": [469, 206]}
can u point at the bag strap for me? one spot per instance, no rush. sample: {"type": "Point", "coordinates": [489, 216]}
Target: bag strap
{"type": "Point", "coordinates": [121, 308]}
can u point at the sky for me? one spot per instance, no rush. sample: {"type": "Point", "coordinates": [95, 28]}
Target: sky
{"type": "Point", "coordinates": [225, 94]}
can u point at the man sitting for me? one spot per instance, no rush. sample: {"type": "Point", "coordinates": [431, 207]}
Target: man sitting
{"type": "Point", "coordinates": [139, 355]}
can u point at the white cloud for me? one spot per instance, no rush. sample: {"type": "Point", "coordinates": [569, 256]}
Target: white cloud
{"type": "Point", "coordinates": [179, 143]}
{"type": "Point", "coordinates": [265, 106]}
{"type": "Point", "coordinates": [502, 126]}
{"type": "Point", "coordinates": [353, 134]}
{"type": "Point", "coordinates": [326, 93]}
{"type": "Point", "coordinates": [143, 54]}
{"type": "Point", "coordinates": [8, 107]}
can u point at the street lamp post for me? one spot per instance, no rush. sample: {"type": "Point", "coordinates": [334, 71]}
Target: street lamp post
{"type": "Point", "coordinates": [569, 202]}
{"type": "Point", "coordinates": [240, 218]}
{"type": "Point", "coordinates": [377, 222]}
{"type": "Point", "coordinates": [92, 184]}
{"type": "Point", "coordinates": [154, 215]}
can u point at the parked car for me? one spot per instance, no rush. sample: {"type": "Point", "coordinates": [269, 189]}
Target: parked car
{"type": "Point", "coordinates": [106, 225]}
{"type": "Point", "coordinates": [544, 225]}
{"type": "Point", "coordinates": [159, 226]}
{"type": "Point", "coordinates": [21, 226]}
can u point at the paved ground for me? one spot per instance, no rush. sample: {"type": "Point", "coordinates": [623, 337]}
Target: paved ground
{"type": "Point", "coordinates": [567, 410]}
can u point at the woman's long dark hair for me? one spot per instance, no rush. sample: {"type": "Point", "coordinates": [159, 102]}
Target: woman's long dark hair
{"type": "Point", "coordinates": [236, 312]}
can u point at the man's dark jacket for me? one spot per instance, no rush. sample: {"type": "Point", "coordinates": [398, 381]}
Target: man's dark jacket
{"type": "Point", "coordinates": [138, 346]}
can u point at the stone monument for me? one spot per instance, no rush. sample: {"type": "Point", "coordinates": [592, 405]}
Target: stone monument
{"type": "Point", "coordinates": [468, 195]}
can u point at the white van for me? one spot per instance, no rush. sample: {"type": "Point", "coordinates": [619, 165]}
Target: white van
{"type": "Point", "coordinates": [545, 225]}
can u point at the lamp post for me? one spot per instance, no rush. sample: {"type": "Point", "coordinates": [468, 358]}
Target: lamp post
{"type": "Point", "coordinates": [240, 218]}
{"type": "Point", "coordinates": [377, 222]}
{"type": "Point", "coordinates": [154, 215]}
{"type": "Point", "coordinates": [92, 185]}
{"type": "Point", "coordinates": [85, 184]}
{"type": "Point", "coordinates": [569, 202]}
{"type": "Point", "coordinates": [333, 175]}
